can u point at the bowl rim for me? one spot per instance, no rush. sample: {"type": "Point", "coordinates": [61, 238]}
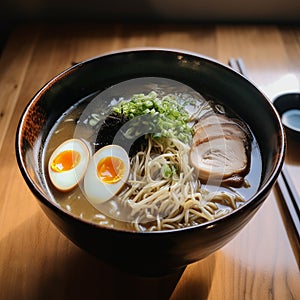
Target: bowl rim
{"type": "Point", "coordinates": [42, 197]}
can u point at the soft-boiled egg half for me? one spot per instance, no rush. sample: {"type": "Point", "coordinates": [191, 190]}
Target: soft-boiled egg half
{"type": "Point", "coordinates": [106, 174]}
{"type": "Point", "coordinates": [68, 163]}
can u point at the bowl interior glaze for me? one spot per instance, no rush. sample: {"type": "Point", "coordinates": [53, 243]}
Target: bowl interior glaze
{"type": "Point", "coordinates": [151, 253]}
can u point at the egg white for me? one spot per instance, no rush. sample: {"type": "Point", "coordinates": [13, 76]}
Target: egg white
{"type": "Point", "coordinates": [67, 180]}
{"type": "Point", "coordinates": [97, 192]}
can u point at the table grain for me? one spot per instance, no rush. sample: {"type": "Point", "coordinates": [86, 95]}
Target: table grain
{"type": "Point", "coordinates": [38, 262]}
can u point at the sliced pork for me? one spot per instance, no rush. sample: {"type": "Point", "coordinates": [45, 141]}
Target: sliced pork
{"type": "Point", "coordinates": [212, 131]}
{"type": "Point", "coordinates": [219, 150]}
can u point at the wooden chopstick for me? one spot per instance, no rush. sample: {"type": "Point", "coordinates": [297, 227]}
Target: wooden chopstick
{"type": "Point", "coordinates": [284, 182]}
{"type": "Point", "coordinates": [238, 65]}
{"type": "Point", "coordinates": [291, 189]}
{"type": "Point", "coordinates": [289, 205]}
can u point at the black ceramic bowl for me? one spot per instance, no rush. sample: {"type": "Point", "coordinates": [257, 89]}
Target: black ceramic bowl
{"type": "Point", "coordinates": [149, 253]}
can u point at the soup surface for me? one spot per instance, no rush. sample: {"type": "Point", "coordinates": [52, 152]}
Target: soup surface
{"type": "Point", "coordinates": [151, 154]}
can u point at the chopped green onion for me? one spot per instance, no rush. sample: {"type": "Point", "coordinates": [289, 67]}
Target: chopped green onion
{"type": "Point", "coordinates": [168, 171]}
{"type": "Point", "coordinates": [171, 117]}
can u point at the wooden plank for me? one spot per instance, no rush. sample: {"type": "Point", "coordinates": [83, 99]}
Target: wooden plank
{"type": "Point", "coordinates": [14, 63]}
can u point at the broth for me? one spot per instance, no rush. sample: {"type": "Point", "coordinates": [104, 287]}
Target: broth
{"type": "Point", "coordinates": [84, 120]}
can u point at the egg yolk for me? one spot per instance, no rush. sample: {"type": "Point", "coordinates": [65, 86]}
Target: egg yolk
{"type": "Point", "coordinates": [65, 161]}
{"type": "Point", "coordinates": [110, 169]}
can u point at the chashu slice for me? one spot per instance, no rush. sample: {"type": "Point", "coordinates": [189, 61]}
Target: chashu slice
{"type": "Point", "coordinates": [219, 150]}
{"type": "Point", "coordinates": [212, 119]}
{"type": "Point", "coordinates": [212, 131]}
{"type": "Point", "coordinates": [219, 158]}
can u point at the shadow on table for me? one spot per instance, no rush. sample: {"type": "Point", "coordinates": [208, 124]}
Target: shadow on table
{"type": "Point", "coordinates": [43, 264]}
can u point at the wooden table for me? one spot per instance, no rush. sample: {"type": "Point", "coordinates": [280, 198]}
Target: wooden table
{"type": "Point", "coordinates": [38, 262]}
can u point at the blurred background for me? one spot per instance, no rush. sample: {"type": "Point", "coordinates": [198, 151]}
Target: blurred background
{"type": "Point", "coordinates": [202, 11]}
